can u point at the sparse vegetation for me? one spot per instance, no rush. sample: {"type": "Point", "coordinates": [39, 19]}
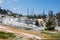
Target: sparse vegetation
{"type": "Point", "coordinates": [52, 34]}
{"type": "Point", "coordinates": [6, 35]}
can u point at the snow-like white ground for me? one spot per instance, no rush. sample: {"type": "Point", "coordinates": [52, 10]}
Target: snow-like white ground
{"type": "Point", "coordinates": [7, 20]}
{"type": "Point", "coordinates": [57, 28]}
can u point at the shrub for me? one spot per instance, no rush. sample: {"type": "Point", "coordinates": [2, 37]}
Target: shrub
{"type": "Point", "coordinates": [36, 23]}
{"type": "Point", "coordinates": [49, 24]}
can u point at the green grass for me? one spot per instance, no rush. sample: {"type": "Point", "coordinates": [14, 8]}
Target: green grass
{"type": "Point", "coordinates": [5, 35]}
